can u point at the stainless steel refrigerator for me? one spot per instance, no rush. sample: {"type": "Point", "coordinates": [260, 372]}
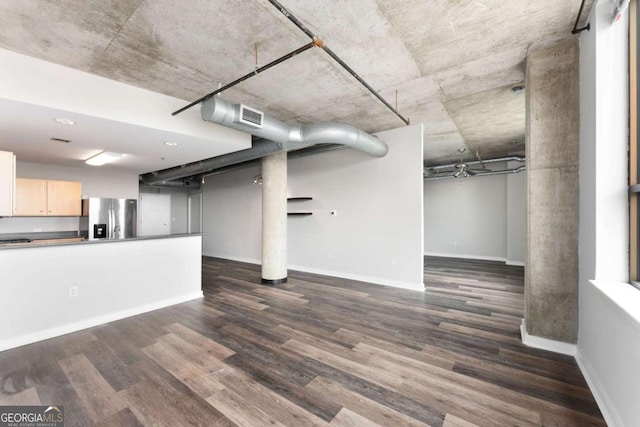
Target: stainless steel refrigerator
{"type": "Point", "coordinates": [109, 218]}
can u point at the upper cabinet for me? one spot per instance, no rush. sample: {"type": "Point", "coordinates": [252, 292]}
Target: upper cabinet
{"type": "Point", "coordinates": [64, 198]}
{"type": "Point", "coordinates": [37, 197]}
{"type": "Point", "coordinates": [7, 182]}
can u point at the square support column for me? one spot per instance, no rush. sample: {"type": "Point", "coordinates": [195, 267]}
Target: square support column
{"type": "Point", "coordinates": [553, 130]}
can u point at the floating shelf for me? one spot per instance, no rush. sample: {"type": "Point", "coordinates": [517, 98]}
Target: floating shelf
{"type": "Point", "coordinates": [299, 213]}
{"type": "Point", "coordinates": [296, 199]}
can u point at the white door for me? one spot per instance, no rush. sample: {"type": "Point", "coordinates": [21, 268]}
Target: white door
{"type": "Point", "coordinates": [195, 213]}
{"type": "Point", "coordinates": [154, 213]}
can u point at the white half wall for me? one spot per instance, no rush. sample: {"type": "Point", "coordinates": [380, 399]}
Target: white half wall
{"type": "Point", "coordinates": [376, 235]}
{"type": "Point", "coordinates": [113, 279]}
{"type": "Point", "coordinates": [609, 308]}
{"type": "Point", "coordinates": [481, 217]}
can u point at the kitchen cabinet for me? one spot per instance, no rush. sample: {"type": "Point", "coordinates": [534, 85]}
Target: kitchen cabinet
{"type": "Point", "coordinates": [7, 182]}
{"type": "Point", "coordinates": [38, 197]}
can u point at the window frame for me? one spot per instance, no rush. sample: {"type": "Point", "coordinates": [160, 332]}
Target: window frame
{"type": "Point", "coordinates": [634, 152]}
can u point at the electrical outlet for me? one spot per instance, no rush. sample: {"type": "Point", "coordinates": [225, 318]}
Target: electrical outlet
{"type": "Point", "coordinates": [73, 291]}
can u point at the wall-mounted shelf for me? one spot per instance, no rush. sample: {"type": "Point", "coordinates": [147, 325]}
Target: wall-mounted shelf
{"type": "Point", "coordinates": [299, 199]}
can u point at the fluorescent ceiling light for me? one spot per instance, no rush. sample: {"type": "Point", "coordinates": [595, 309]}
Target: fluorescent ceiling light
{"type": "Point", "coordinates": [171, 144]}
{"type": "Point", "coordinates": [103, 158]}
{"type": "Point", "coordinates": [63, 121]}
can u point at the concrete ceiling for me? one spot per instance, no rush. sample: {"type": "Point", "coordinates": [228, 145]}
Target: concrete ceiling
{"type": "Point", "coordinates": [451, 63]}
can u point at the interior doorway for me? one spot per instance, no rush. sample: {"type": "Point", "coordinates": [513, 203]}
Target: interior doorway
{"type": "Point", "coordinates": [155, 214]}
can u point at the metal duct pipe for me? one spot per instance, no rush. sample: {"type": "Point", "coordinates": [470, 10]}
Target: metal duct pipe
{"type": "Point", "coordinates": [502, 172]}
{"type": "Point", "coordinates": [275, 136]}
{"type": "Point", "coordinates": [478, 162]}
{"type": "Point", "coordinates": [187, 184]}
{"type": "Point", "coordinates": [258, 150]}
{"type": "Point", "coordinates": [293, 137]}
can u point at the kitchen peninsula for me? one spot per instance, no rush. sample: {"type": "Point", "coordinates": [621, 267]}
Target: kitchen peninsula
{"type": "Point", "coordinates": [52, 289]}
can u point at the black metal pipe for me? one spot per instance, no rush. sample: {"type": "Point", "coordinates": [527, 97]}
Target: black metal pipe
{"type": "Point", "coordinates": [335, 57]}
{"type": "Point", "coordinates": [249, 75]}
{"type": "Point", "coordinates": [577, 30]}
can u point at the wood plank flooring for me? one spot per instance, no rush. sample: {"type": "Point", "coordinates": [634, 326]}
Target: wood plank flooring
{"type": "Point", "coordinates": [315, 351]}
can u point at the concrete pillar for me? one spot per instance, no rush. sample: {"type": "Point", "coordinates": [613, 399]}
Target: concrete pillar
{"type": "Point", "coordinates": [552, 150]}
{"type": "Point", "coordinates": [274, 219]}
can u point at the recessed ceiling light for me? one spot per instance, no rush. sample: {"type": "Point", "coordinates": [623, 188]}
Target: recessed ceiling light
{"type": "Point", "coordinates": [63, 121]}
{"type": "Point", "coordinates": [103, 158]}
{"type": "Point", "coordinates": [171, 144]}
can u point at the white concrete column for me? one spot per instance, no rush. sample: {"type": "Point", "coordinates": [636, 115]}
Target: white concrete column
{"type": "Point", "coordinates": [274, 219]}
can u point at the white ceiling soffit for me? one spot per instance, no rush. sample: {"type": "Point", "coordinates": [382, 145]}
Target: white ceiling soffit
{"type": "Point", "coordinates": [432, 53]}
{"type": "Point", "coordinates": [109, 116]}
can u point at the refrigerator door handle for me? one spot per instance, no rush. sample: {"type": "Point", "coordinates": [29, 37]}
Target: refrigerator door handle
{"type": "Point", "coordinates": [110, 226]}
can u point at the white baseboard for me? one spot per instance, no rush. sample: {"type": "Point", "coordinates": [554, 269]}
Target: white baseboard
{"type": "Point", "coordinates": [463, 256]}
{"type": "Point", "coordinates": [516, 263]}
{"type": "Point", "coordinates": [369, 279]}
{"type": "Point", "coordinates": [546, 344]}
{"type": "Point", "coordinates": [235, 258]}
{"type": "Point", "coordinates": [95, 321]}
{"type": "Point", "coordinates": [608, 410]}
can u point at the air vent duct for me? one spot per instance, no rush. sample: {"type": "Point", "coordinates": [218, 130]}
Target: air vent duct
{"type": "Point", "coordinates": [250, 117]}
{"type": "Point", "coordinates": [273, 136]}
{"type": "Point", "coordinates": [293, 137]}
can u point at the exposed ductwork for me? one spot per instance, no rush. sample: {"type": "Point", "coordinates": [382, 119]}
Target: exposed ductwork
{"type": "Point", "coordinates": [434, 173]}
{"type": "Point", "coordinates": [293, 137]}
{"type": "Point", "coordinates": [273, 136]}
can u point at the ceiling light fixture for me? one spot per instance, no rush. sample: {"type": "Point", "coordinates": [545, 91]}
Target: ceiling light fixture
{"type": "Point", "coordinates": [171, 144]}
{"type": "Point", "coordinates": [66, 141]}
{"type": "Point", "coordinates": [103, 158]}
{"type": "Point", "coordinates": [64, 121]}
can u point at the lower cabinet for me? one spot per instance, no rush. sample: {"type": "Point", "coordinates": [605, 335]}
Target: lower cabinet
{"type": "Point", "coordinates": [38, 197]}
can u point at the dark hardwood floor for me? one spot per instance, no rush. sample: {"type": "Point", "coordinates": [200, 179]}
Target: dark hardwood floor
{"type": "Point", "coordinates": [315, 351]}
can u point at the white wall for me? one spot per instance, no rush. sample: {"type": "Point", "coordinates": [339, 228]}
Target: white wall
{"type": "Point", "coordinates": [232, 216]}
{"type": "Point", "coordinates": [376, 236]}
{"type": "Point", "coordinates": [609, 323]}
{"type": "Point", "coordinates": [516, 216]}
{"type": "Point", "coordinates": [482, 217]}
{"type": "Point", "coordinates": [101, 181]}
{"type": "Point", "coordinates": [115, 279]}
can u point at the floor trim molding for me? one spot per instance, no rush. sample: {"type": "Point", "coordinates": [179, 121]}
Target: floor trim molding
{"type": "Point", "coordinates": [599, 393]}
{"type": "Point", "coordinates": [95, 321]}
{"type": "Point", "coordinates": [546, 344]}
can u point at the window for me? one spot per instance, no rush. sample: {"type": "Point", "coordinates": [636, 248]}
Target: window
{"type": "Point", "coordinates": [634, 118]}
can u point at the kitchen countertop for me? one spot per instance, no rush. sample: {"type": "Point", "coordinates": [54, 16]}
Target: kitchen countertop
{"type": "Point", "coordinates": [75, 241]}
